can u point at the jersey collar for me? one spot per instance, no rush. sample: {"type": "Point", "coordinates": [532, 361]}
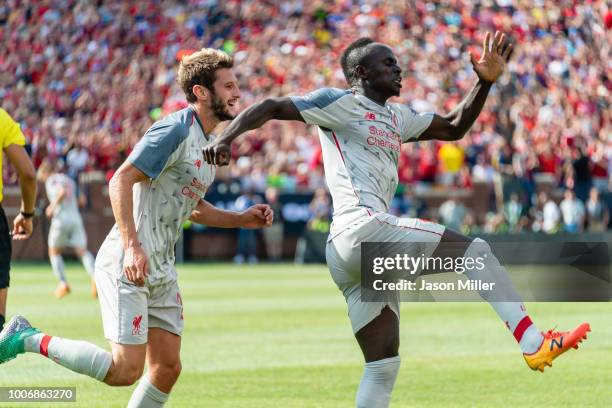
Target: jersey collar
{"type": "Point", "coordinates": [197, 118]}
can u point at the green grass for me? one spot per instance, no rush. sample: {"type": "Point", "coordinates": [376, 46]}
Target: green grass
{"type": "Point", "coordinates": [278, 336]}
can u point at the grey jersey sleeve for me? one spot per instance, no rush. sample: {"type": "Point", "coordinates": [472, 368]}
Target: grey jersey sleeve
{"type": "Point", "coordinates": [323, 107]}
{"type": "Point", "coordinates": [159, 147]}
{"type": "Point", "coordinates": [413, 124]}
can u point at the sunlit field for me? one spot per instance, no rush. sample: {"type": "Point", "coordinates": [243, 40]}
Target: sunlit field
{"type": "Point", "coordinates": [278, 336]}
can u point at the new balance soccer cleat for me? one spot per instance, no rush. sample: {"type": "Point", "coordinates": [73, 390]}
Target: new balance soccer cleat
{"type": "Point", "coordinates": [13, 336]}
{"type": "Point", "coordinates": [555, 344]}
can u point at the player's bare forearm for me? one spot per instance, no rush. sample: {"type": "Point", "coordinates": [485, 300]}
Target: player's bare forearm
{"type": "Point", "coordinates": [207, 214]}
{"type": "Point", "coordinates": [257, 114]}
{"type": "Point", "coordinates": [122, 202]}
{"type": "Point", "coordinates": [456, 123]}
{"type": "Point", "coordinates": [19, 158]}
{"type": "Point", "coordinates": [251, 118]}
{"type": "Point", "coordinates": [256, 216]}
{"type": "Point", "coordinates": [496, 52]}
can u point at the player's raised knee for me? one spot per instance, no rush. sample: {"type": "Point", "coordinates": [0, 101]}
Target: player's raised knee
{"type": "Point", "coordinates": [166, 372]}
{"type": "Point", "coordinates": [121, 375]}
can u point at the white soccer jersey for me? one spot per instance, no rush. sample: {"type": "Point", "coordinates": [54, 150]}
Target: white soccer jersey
{"type": "Point", "coordinates": [170, 153]}
{"type": "Point", "coordinates": [361, 142]}
{"type": "Point", "coordinates": [68, 208]}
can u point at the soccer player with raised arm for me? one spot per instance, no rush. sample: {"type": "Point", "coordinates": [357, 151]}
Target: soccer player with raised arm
{"type": "Point", "coordinates": [361, 135]}
{"type": "Point", "coordinates": [157, 189]}
{"type": "Point", "coordinates": [67, 229]}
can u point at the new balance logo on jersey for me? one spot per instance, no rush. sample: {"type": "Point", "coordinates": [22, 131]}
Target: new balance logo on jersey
{"type": "Point", "coordinates": [198, 163]}
{"type": "Point", "coordinates": [136, 325]}
{"type": "Point", "coordinates": [554, 342]}
{"type": "Point", "coordinates": [370, 116]}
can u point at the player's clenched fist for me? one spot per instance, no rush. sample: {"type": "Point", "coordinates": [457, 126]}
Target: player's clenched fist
{"type": "Point", "coordinates": [135, 265]}
{"type": "Point", "coordinates": [218, 154]}
{"type": "Point", "coordinates": [257, 216]}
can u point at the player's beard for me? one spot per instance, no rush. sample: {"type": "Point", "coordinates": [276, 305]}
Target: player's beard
{"type": "Point", "coordinates": [219, 108]}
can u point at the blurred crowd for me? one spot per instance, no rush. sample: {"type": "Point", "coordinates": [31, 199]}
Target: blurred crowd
{"type": "Point", "coordinates": [86, 79]}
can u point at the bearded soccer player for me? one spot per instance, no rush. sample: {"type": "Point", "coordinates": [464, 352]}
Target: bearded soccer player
{"type": "Point", "coordinates": [152, 194]}
{"type": "Point", "coordinates": [360, 134]}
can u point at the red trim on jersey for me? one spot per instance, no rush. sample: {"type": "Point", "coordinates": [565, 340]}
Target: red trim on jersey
{"type": "Point", "coordinates": [412, 228]}
{"type": "Point", "coordinates": [523, 325]}
{"type": "Point", "coordinates": [338, 146]}
{"type": "Point", "coordinates": [44, 345]}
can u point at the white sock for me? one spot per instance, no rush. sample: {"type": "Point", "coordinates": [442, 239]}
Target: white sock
{"type": "Point", "coordinates": [57, 264]}
{"type": "Point", "coordinates": [511, 310]}
{"type": "Point", "coordinates": [377, 383]}
{"type": "Point", "coordinates": [147, 395]}
{"type": "Point", "coordinates": [79, 356]}
{"type": "Point", "coordinates": [88, 262]}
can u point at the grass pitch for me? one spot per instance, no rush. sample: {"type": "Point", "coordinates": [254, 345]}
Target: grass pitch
{"type": "Point", "coordinates": [278, 336]}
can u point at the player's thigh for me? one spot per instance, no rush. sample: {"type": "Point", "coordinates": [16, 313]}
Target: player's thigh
{"type": "Point", "coordinates": [78, 236]}
{"type": "Point", "coordinates": [166, 308]}
{"type": "Point", "coordinates": [59, 234]}
{"type": "Point", "coordinates": [124, 309]}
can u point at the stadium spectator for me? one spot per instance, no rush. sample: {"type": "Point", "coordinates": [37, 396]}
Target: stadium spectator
{"type": "Point", "coordinates": [597, 213]}
{"type": "Point", "coordinates": [66, 76]}
{"type": "Point", "coordinates": [513, 212]}
{"type": "Point", "coordinates": [247, 243]}
{"type": "Point", "coordinates": [573, 212]}
{"type": "Point", "coordinates": [273, 235]}
{"type": "Point", "coordinates": [320, 211]}
{"type": "Point", "coordinates": [551, 216]}
{"type": "Point", "coordinates": [452, 213]}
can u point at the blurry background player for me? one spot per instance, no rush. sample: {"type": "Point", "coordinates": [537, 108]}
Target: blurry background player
{"type": "Point", "coordinates": [66, 228]}
{"type": "Point", "coordinates": [153, 193]}
{"type": "Point", "coordinates": [11, 144]}
{"type": "Point", "coordinates": [361, 136]}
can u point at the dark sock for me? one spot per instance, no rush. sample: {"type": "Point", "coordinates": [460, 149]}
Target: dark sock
{"type": "Point", "coordinates": [1, 321]}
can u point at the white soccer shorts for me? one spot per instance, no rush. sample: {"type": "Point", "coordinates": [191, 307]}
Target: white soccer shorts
{"type": "Point", "coordinates": [128, 311]}
{"type": "Point", "coordinates": [343, 254]}
{"type": "Point", "coordinates": [65, 233]}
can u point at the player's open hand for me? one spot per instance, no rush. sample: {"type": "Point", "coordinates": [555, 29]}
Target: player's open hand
{"type": "Point", "coordinates": [496, 52]}
{"type": "Point", "coordinates": [218, 154]}
{"type": "Point", "coordinates": [257, 216]}
{"type": "Point", "coordinates": [22, 228]}
{"type": "Point", "coordinates": [135, 265]}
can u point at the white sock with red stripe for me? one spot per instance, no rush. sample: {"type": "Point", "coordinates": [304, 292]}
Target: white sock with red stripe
{"type": "Point", "coordinates": [79, 356]}
{"type": "Point", "coordinates": [513, 311]}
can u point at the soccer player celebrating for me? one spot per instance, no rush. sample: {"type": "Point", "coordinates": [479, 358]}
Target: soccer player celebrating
{"type": "Point", "coordinates": [360, 134]}
{"type": "Point", "coordinates": [67, 228]}
{"type": "Point", "coordinates": [152, 194]}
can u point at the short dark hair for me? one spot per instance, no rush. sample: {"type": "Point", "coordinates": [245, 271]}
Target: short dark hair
{"type": "Point", "coordinates": [353, 56]}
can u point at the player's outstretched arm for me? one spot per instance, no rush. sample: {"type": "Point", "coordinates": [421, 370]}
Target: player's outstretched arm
{"type": "Point", "coordinates": [496, 52]}
{"type": "Point", "coordinates": [257, 216]}
{"type": "Point", "coordinates": [255, 116]}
